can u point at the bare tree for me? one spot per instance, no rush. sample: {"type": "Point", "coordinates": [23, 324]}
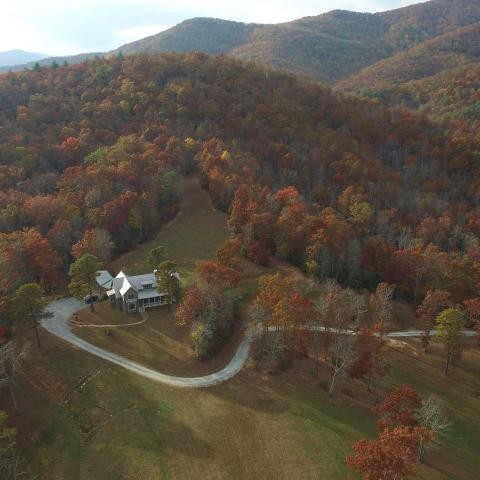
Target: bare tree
{"type": "Point", "coordinates": [346, 311]}
{"type": "Point", "coordinates": [358, 305]}
{"type": "Point", "coordinates": [258, 326]}
{"type": "Point", "coordinates": [11, 360]}
{"type": "Point", "coordinates": [342, 355]}
{"type": "Point", "coordinates": [322, 322]}
{"type": "Point", "coordinates": [381, 303]}
{"type": "Point", "coordinates": [433, 418]}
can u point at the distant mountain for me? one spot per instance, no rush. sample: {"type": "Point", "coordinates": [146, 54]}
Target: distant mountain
{"type": "Point", "coordinates": [48, 61]}
{"type": "Point", "coordinates": [333, 46]}
{"type": "Point", "coordinates": [209, 35]}
{"type": "Point", "coordinates": [327, 47]}
{"type": "Point", "coordinates": [17, 57]}
{"type": "Point", "coordinates": [451, 50]}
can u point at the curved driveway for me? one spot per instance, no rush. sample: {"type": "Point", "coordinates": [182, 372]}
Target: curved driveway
{"type": "Point", "coordinates": [58, 325]}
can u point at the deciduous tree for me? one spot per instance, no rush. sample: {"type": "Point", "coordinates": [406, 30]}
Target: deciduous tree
{"type": "Point", "coordinates": [83, 274]}
{"type": "Point", "coordinates": [399, 409]}
{"type": "Point", "coordinates": [391, 456]}
{"type": "Point", "coordinates": [450, 324]}
{"type": "Point", "coordinates": [434, 302]}
{"type": "Point", "coordinates": [11, 363]}
{"type": "Point", "coordinates": [28, 307]}
{"type": "Point", "coordinates": [167, 281]}
{"type": "Point", "coordinates": [96, 242]}
{"type": "Point", "coordinates": [156, 256]}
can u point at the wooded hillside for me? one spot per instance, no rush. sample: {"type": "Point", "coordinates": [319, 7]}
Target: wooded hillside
{"type": "Point", "coordinates": [338, 186]}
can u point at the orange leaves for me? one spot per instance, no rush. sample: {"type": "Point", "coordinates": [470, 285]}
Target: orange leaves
{"type": "Point", "coordinates": [96, 242]}
{"type": "Point", "coordinates": [400, 442]}
{"type": "Point", "coordinates": [391, 456]}
{"type": "Point", "coordinates": [399, 409]}
{"type": "Point", "coordinates": [217, 275]}
{"type": "Point", "coordinates": [190, 307]}
{"type": "Point", "coordinates": [30, 258]}
{"type": "Point", "coordinates": [277, 294]}
{"type": "Point", "coordinates": [71, 143]}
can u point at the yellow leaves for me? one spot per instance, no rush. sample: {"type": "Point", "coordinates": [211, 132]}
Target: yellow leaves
{"type": "Point", "coordinates": [225, 157]}
{"type": "Point", "coordinates": [361, 213]}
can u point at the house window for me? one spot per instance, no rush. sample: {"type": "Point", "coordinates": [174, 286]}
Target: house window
{"type": "Point", "coordinates": [148, 285]}
{"type": "Point", "coordinates": [131, 307]}
{"type": "Point", "coordinates": [131, 296]}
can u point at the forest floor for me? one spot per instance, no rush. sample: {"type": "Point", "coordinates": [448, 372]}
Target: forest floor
{"type": "Point", "coordinates": [84, 418]}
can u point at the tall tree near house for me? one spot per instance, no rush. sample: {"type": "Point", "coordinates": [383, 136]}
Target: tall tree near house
{"type": "Point", "coordinates": [83, 274]}
{"type": "Point", "coordinates": [28, 307]}
{"type": "Point", "coordinates": [11, 361]}
{"type": "Point", "coordinates": [434, 302]}
{"type": "Point", "coordinates": [167, 281]}
{"type": "Point", "coordinates": [450, 324]}
{"type": "Point", "coordinates": [190, 309]}
{"type": "Point", "coordinates": [156, 256]}
{"type": "Point", "coordinates": [389, 457]}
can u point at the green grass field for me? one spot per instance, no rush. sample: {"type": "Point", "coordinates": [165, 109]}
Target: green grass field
{"type": "Point", "coordinates": [85, 419]}
{"type": "Point", "coordinates": [194, 235]}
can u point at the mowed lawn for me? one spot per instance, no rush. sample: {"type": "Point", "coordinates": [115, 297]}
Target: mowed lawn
{"type": "Point", "coordinates": [195, 234]}
{"type": "Point", "coordinates": [159, 343]}
{"type": "Point", "coordinates": [86, 419]}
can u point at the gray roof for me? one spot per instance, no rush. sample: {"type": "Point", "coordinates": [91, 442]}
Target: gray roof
{"type": "Point", "coordinates": [122, 283]}
{"type": "Point", "coordinates": [104, 279]}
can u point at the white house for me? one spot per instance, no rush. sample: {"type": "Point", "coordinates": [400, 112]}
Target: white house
{"type": "Point", "coordinates": [132, 293]}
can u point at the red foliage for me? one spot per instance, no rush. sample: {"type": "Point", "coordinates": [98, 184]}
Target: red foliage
{"type": "Point", "coordinates": [399, 409]}
{"type": "Point", "coordinates": [258, 254]}
{"type": "Point", "coordinates": [217, 275]}
{"type": "Point", "coordinates": [391, 456]}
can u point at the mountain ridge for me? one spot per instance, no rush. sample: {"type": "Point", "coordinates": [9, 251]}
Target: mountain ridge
{"type": "Point", "coordinates": [330, 47]}
{"type": "Point", "coordinates": [17, 56]}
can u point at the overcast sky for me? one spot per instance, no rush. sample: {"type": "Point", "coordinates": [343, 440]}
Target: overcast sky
{"type": "Point", "coordinates": [61, 27]}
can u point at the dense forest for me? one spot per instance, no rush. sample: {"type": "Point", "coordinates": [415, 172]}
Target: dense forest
{"type": "Point", "coordinates": [90, 155]}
